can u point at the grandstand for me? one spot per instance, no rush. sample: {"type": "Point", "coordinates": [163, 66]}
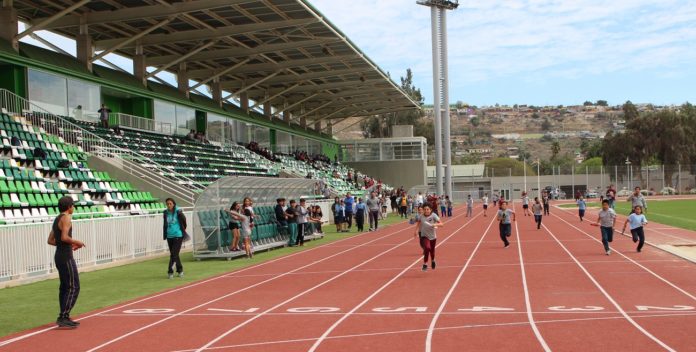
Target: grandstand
{"type": "Point", "coordinates": [203, 82]}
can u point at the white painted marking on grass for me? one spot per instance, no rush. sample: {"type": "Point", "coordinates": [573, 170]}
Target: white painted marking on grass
{"type": "Point", "coordinates": [379, 290]}
{"type": "Point", "coordinates": [608, 296]}
{"type": "Point", "coordinates": [236, 292]}
{"type": "Point", "coordinates": [527, 300]}
{"type": "Point", "coordinates": [34, 333]}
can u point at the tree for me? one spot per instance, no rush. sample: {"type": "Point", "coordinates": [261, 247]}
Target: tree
{"type": "Point", "coordinates": [460, 104]}
{"type": "Point", "coordinates": [535, 115]}
{"type": "Point", "coordinates": [587, 103]}
{"type": "Point", "coordinates": [555, 149]}
{"type": "Point", "coordinates": [602, 103]}
{"type": "Point", "coordinates": [475, 121]}
{"type": "Point", "coordinates": [630, 111]}
{"type": "Point", "coordinates": [591, 165]}
{"type": "Point", "coordinates": [546, 125]}
{"type": "Point", "coordinates": [503, 167]}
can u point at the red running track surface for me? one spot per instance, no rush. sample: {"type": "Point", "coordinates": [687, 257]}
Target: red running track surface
{"type": "Point", "coordinates": [552, 289]}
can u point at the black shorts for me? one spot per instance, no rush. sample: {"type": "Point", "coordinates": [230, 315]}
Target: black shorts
{"type": "Point", "coordinates": [234, 225]}
{"type": "Point", "coordinates": [485, 206]}
{"type": "Point", "coordinates": [505, 229]}
{"type": "Point", "coordinates": [525, 206]}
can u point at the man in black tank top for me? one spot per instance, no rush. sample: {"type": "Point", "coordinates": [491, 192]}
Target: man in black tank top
{"type": "Point", "coordinates": [61, 237]}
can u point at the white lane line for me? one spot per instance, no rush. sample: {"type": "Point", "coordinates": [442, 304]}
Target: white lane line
{"type": "Point", "coordinates": [236, 292]}
{"type": "Point", "coordinates": [410, 331]}
{"type": "Point", "coordinates": [636, 263]}
{"type": "Point", "coordinates": [608, 296]}
{"type": "Point", "coordinates": [303, 293]}
{"type": "Point", "coordinates": [379, 290]}
{"type": "Point", "coordinates": [221, 276]}
{"type": "Point", "coordinates": [527, 300]}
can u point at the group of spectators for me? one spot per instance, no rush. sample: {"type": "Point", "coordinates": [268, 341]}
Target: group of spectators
{"type": "Point", "coordinates": [348, 208]}
{"type": "Point", "coordinates": [264, 152]}
{"type": "Point", "coordinates": [197, 136]}
{"type": "Point", "coordinates": [298, 220]}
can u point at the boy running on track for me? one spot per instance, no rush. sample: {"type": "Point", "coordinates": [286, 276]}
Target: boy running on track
{"type": "Point", "coordinates": [606, 221]}
{"type": "Point", "coordinates": [495, 198]}
{"type": "Point", "coordinates": [637, 220]}
{"type": "Point", "coordinates": [637, 199]}
{"type": "Point", "coordinates": [537, 209]}
{"type": "Point", "coordinates": [484, 200]}
{"type": "Point", "coordinates": [546, 201]}
{"type": "Point", "coordinates": [469, 206]}
{"type": "Point", "coordinates": [505, 216]}
{"type": "Point", "coordinates": [581, 207]}
{"type": "Point", "coordinates": [427, 225]}
{"type": "Point", "coordinates": [525, 203]}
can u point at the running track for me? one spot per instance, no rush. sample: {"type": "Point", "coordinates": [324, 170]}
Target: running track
{"type": "Point", "coordinates": [552, 289]}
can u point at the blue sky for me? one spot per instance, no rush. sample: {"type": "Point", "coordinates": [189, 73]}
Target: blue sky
{"type": "Point", "coordinates": [541, 52]}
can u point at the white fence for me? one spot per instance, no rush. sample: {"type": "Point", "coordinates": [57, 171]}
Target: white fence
{"type": "Point", "coordinates": [140, 123]}
{"type": "Point", "coordinates": [25, 255]}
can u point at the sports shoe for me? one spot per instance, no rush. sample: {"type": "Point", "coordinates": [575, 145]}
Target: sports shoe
{"type": "Point", "coordinates": [171, 276]}
{"type": "Point", "coordinates": [181, 274]}
{"type": "Point", "coordinates": [432, 264]}
{"type": "Point", "coordinates": [609, 252]}
{"type": "Point", "coordinates": [76, 323]}
{"type": "Point", "coordinates": [425, 267]}
{"type": "Point", "coordinates": [507, 245]}
{"type": "Point", "coordinates": [638, 250]}
{"type": "Point", "coordinates": [65, 323]}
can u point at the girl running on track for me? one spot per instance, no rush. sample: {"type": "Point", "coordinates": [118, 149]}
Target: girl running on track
{"type": "Point", "coordinates": [637, 220]}
{"type": "Point", "coordinates": [505, 216]}
{"type": "Point", "coordinates": [581, 207]}
{"type": "Point", "coordinates": [484, 200]}
{"type": "Point", "coordinates": [537, 210]}
{"type": "Point", "coordinates": [525, 203]}
{"type": "Point", "coordinates": [427, 225]}
{"type": "Point", "coordinates": [606, 221]}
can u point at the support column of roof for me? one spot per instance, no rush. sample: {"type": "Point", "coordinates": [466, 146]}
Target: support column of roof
{"type": "Point", "coordinates": [286, 113]}
{"type": "Point", "coordinates": [317, 126]}
{"type": "Point", "coordinates": [85, 47]}
{"type": "Point", "coordinates": [9, 27]}
{"type": "Point", "coordinates": [244, 101]}
{"type": "Point", "coordinates": [303, 118]}
{"type": "Point", "coordinates": [182, 79]}
{"type": "Point", "coordinates": [216, 91]}
{"type": "Point", "coordinates": [267, 106]}
{"type": "Point", "coordinates": [139, 65]}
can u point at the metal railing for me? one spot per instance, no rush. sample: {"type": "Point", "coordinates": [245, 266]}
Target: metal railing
{"type": "Point", "coordinates": [25, 256]}
{"type": "Point", "coordinates": [140, 123]}
{"type": "Point", "coordinates": [132, 162]}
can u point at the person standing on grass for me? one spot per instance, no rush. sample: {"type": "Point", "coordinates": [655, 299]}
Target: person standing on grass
{"type": "Point", "coordinates": [302, 221]}
{"type": "Point", "coordinates": [292, 222]}
{"type": "Point", "coordinates": [360, 211]}
{"type": "Point", "coordinates": [606, 221]}
{"type": "Point", "coordinates": [174, 231]}
{"type": "Point", "coordinates": [449, 206]}
{"type": "Point", "coordinates": [245, 221]}
{"type": "Point", "coordinates": [525, 203]}
{"type": "Point", "coordinates": [427, 225]}
{"type": "Point", "coordinates": [61, 237]}
{"type": "Point", "coordinates": [234, 227]}
{"type": "Point", "coordinates": [637, 220]}
{"type": "Point", "coordinates": [484, 200]}
{"type": "Point", "coordinates": [546, 201]}
{"type": "Point", "coordinates": [537, 210]}
{"type": "Point", "coordinates": [349, 202]}
{"type": "Point", "coordinates": [611, 195]}
{"type": "Point", "coordinates": [469, 206]}
{"type": "Point", "coordinates": [403, 205]}
{"type": "Point", "coordinates": [637, 199]}
{"type": "Point", "coordinates": [505, 218]}
{"type": "Point", "coordinates": [582, 206]}
{"type": "Point", "coordinates": [373, 207]}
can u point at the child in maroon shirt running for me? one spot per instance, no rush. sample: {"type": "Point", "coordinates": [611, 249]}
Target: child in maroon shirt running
{"type": "Point", "coordinates": [427, 225]}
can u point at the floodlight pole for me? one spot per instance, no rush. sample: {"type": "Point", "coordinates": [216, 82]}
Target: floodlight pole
{"type": "Point", "coordinates": [438, 18]}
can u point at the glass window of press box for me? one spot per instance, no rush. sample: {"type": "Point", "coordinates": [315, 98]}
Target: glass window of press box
{"type": "Point", "coordinates": [173, 118]}
{"type": "Point", "coordinates": [383, 150]}
{"type": "Point", "coordinates": [62, 96]}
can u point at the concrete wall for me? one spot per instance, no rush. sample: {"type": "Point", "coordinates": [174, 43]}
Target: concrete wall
{"type": "Point", "coordinates": [516, 184]}
{"type": "Point", "coordinates": [396, 173]}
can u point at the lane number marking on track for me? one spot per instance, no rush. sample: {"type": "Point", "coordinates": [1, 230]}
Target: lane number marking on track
{"type": "Point", "coordinates": [674, 308]}
{"type": "Point", "coordinates": [314, 310]}
{"type": "Point", "coordinates": [148, 311]}
{"type": "Point", "coordinates": [486, 309]}
{"type": "Point", "coordinates": [575, 309]}
{"type": "Point", "coordinates": [250, 310]}
{"type": "Point", "coordinates": [399, 309]}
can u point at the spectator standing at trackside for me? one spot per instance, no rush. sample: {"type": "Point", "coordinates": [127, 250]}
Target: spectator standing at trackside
{"type": "Point", "coordinates": [61, 237]}
{"type": "Point", "coordinates": [302, 221]}
{"type": "Point", "coordinates": [174, 232]}
{"type": "Point", "coordinates": [338, 214]}
{"type": "Point", "coordinates": [606, 220]}
{"type": "Point", "coordinates": [582, 206]}
{"type": "Point", "coordinates": [234, 227]}
{"type": "Point", "coordinates": [281, 216]}
{"type": "Point", "coordinates": [403, 206]}
{"type": "Point", "coordinates": [546, 201]}
{"type": "Point", "coordinates": [469, 206]}
{"type": "Point", "coordinates": [349, 203]}
{"type": "Point", "coordinates": [505, 216]}
{"type": "Point", "coordinates": [410, 205]}
{"type": "Point", "coordinates": [292, 222]}
{"type": "Point", "coordinates": [637, 199]}
{"type": "Point", "coordinates": [449, 206]}
{"type": "Point", "coordinates": [484, 200]}
{"type": "Point", "coordinates": [245, 221]}
{"type": "Point", "coordinates": [392, 199]}
{"type": "Point", "coordinates": [373, 207]}
{"type": "Point", "coordinates": [104, 116]}
{"type": "Point", "coordinates": [443, 206]}
{"type": "Point", "coordinates": [537, 210]}
{"type": "Point", "coordinates": [525, 203]}
{"type": "Point", "coordinates": [360, 211]}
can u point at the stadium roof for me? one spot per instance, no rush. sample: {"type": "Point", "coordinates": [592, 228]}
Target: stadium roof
{"type": "Point", "coordinates": [279, 51]}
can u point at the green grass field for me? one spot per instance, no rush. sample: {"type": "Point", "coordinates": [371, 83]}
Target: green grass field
{"type": "Point", "coordinates": [677, 213]}
{"type": "Point", "coordinates": [32, 305]}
